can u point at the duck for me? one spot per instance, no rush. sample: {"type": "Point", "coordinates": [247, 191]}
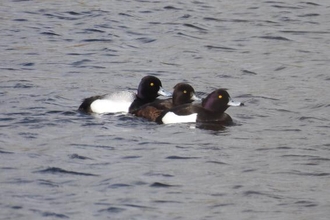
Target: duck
{"type": "Point", "coordinates": [150, 87]}
{"type": "Point", "coordinates": [183, 93]}
{"type": "Point", "coordinates": [210, 110]}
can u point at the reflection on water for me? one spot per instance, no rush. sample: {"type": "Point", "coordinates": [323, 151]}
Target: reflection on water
{"type": "Point", "coordinates": [58, 163]}
{"type": "Point", "coordinates": [211, 126]}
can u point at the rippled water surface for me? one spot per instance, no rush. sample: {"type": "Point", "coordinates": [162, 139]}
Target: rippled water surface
{"type": "Point", "coordinates": [58, 164]}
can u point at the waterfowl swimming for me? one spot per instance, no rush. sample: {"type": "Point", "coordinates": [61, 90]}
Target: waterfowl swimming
{"type": "Point", "coordinates": [149, 89]}
{"type": "Point", "coordinates": [211, 110]}
{"type": "Point", "coordinates": [183, 93]}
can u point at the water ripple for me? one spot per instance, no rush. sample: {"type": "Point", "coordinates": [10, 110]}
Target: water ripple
{"type": "Point", "coordinates": [105, 40]}
{"type": "Point", "coordinates": [217, 162]}
{"type": "Point", "coordinates": [112, 209]}
{"type": "Point", "coordinates": [119, 185]}
{"type": "Point", "coordinates": [275, 38]}
{"type": "Point", "coordinates": [76, 156]}
{"type": "Point", "coordinates": [161, 185]}
{"type": "Point", "coordinates": [304, 32]}
{"type": "Point", "coordinates": [304, 203]}
{"type": "Point", "coordinates": [181, 158]}
{"type": "Point", "coordinates": [49, 33]}
{"type": "Point", "coordinates": [300, 173]}
{"type": "Point", "coordinates": [50, 214]}
{"type": "Point", "coordinates": [258, 193]}
{"type": "Point", "coordinates": [195, 27]}
{"type": "Point", "coordinates": [211, 47]}
{"type": "Point", "coordinates": [56, 170]}
{"type": "Point", "coordinates": [5, 152]}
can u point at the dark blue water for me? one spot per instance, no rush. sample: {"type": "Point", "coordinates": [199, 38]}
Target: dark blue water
{"type": "Point", "coordinates": [58, 164]}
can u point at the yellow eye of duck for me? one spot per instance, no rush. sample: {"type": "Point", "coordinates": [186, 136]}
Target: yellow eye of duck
{"type": "Point", "coordinates": [220, 96]}
{"type": "Point", "coordinates": [184, 91]}
{"type": "Point", "coordinates": [152, 84]}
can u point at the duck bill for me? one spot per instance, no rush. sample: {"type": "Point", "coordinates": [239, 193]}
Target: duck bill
{"type": "Point", "coordinates": [163, 92]}
{"type": "Point", "coordinates": [194, 97]}
{"type": "Point", "coordinates": [233, 103]}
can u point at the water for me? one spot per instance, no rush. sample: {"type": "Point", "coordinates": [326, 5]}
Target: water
{"type": "Point", "coordinates": [59, 164]}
